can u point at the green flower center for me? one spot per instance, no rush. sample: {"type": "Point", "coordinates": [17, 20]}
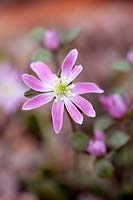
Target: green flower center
{"type": "Point", "coordinates": [62, 88]}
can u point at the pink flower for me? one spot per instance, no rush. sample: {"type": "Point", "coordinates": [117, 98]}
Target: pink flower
{"type": "Point", "coordinates": [51, 40]}
{"type": "Point", "coordinates": [116, 105]}
{"type": "Point", "coordinates": [62, 90]}
{"type": "Point", "coordinates": [97, 146]}
{"type": "Point", "coordinates": [11, 89]}
{"type": "Point", "coordinates": [130, 57]}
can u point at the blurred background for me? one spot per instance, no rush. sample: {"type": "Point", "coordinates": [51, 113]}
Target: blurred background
{"type": "Point", "coordinates": [34, 162]}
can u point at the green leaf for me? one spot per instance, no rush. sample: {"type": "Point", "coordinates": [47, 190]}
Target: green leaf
{"type": "Point", "coordinates": [30, 93]}
{"type": "Point", "coordinates": [37, 34]}
{"type": "Point", "coordinates": [79, 141]}
{"type": "Point", "coordinates": [124, 157]}
{"type": "Point", "coordinates": [103, 122]}
{"type": "Point", "coordinates": [47, 189]}
{"type": "Point", "coordinates": [73, 34]}
{"type": "Point", "coordinates": [122, 66]}
{"type": "Point", "coordinates": [117, 140]}
{"type": "Point", "coordinates": [69, 36]}
{"type": "Point", "coordinates": [104, 168]}
{"type": "Point", "coordinates": [41, 55]}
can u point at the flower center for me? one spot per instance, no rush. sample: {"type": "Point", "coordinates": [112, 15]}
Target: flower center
{"type": "Point", "coordinates": [62, 88]}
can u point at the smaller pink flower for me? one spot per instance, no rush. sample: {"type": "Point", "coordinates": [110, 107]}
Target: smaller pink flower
{"type": "Point", "coordinates": [117, 106]}
{"type": "Point", "coordinates": [11, 89]}
{"type": "Point", "coordinates": [130, 57]}
{"type": "Point", "coordinates": [62, 90]}
{"type": "Point", "coordinates": [51, 40]}
{"type": "Point", "coordinates": [97, 146]}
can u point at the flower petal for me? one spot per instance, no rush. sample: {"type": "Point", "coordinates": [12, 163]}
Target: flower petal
{"type": "Point", "coordinates": [33, 82]}
{"type": "Point", "coordinates": [43, 71]}
{"type": "Point", "coordinates": [57, 115]}
{"type": "Point", "coordinates": [37, 101]}
{"type": "Point", "coordinates": [75, 72]}
{"type": "Point", "coordinates": [73, 111]}
{"type": "Point", "coordinates": [69, 62]}
{"type": "Point", "coordinates": [84, 105]}
{"type": "Point", "coordinates": [86, 87]}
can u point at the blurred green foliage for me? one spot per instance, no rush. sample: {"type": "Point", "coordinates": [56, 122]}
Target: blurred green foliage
{"type": "Point", "coordinates": [122, 66]}
{"type": "Point", "coordinates": [104, 168]}
{"type": "Point", "coordinates": [117, 140]}
{"type": "Point", "coordinates": [37, 34]}
{"type": "Point", "coordinates": [79, 141]}
{"type": "Point", "coordinates": [41, 55]}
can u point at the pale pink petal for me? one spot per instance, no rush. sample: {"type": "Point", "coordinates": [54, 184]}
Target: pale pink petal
{"type": "Point", "coordinates": [84, 105]}
{"type": "Point", "coordinates": [75, 72]}
{"type": "Point", "coordinates": [38, 101]}
{"type": "Point", "coordinates": [86, 87]}
{"type": "Point", "coordinates": [69, 62]}
{"type": "Point", "coordinates": [73, 111]}
{"type": "Point", "coordinates": [57, 115]}
{"type": "Point", "coordinates": [43, 71]}
{"type": "Point", "coordinates": [33, 82]}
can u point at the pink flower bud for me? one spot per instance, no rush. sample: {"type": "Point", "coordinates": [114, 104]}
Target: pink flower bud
{"type": "Point", "coordinates": [51, 40]}
{"type": "Point", "coordinates": [117, 106]}
{"type": "Point", "coordinates": [130, 57]}
{"type": "Point", "coordinates": [97, 146]}
{"type": "Point", "coordinates": [99, 135]}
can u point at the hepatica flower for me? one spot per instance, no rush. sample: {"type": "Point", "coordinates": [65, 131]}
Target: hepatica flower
{"type": "Point", "coordinates": [117, 106]}
{"type": "Point", "coordinates": [62, 90]}
{"type": "Point", "coordinates": [11, 89]}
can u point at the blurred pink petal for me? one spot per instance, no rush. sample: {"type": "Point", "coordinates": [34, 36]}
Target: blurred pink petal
{"type": "Point", "coordinates": [116, 105]}
{"type": "Point", "coordinates": [130, 57]}
{"type": "Point", "coordinates": [11, 88]}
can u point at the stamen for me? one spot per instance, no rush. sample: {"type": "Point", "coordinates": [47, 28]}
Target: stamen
{"type": "Point", "coordinates": [62, 89]}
